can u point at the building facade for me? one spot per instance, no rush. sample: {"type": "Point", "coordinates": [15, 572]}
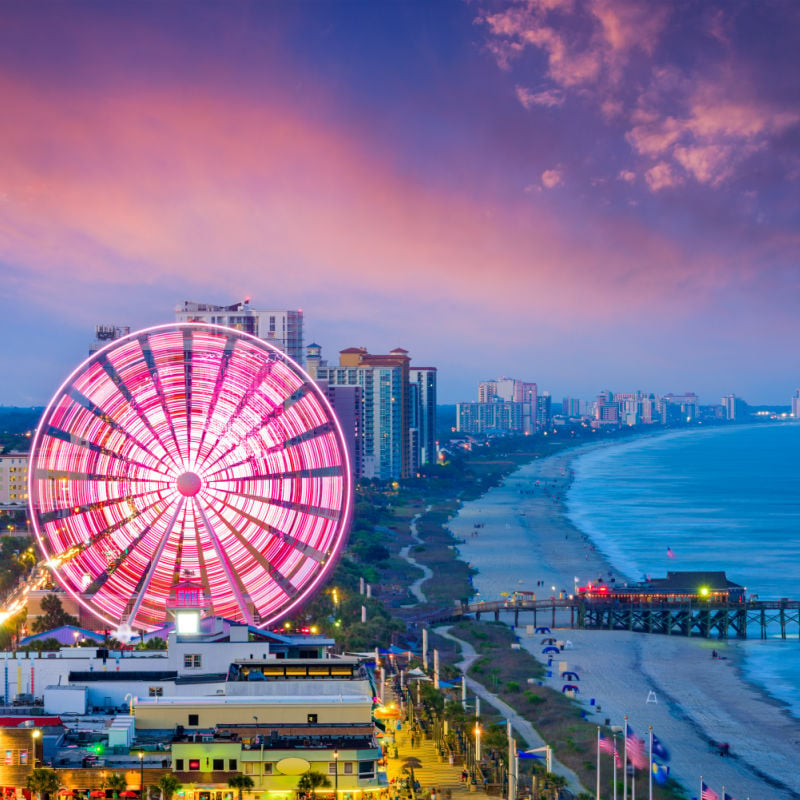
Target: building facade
{"type": "Point", "coordinates": [14, 480]}
{"type": "Point", "coordinates": [398, 408]}
{"type": "Point", "coordinates": [281, 328]}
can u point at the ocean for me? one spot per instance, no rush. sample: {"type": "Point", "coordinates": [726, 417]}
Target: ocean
{"type": "Point", "coordinates": [720, 498]}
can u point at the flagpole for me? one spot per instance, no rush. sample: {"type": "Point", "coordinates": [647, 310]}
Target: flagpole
{"type": "Point", "coordinates": [700, 796]}
{"type": "Point", "coordinates": [650, 761]}
{"type": "Point", "coordinates": [615, 756]}
{"type": "Point", "coordinates": [625, 762]}
{"type": "Point", "coordinates": [598, 763]}
{"type": "Point", "coordinates": [633, 783]}
{"type": "Point", "coordinates": [723, 791]}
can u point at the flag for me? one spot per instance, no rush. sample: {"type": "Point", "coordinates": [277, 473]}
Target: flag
{"type": "Point", "coordinates": [726, 796]}
{"type": "Point", "coordinates": [670, 553]}
{"type": "Point", "coordinates": [608, 745]}
{"type": "Point", "coordinates": [634, 749]}
{"type": "Point", "coordinates": [660, 773]}
{"type": "Point", "coordinates": [659, 750]}
{"type": "Point", "coordinates": [707, 792]}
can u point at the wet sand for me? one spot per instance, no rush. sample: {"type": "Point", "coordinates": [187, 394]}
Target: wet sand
{"type": "Point", "coordinates": [526, 542]}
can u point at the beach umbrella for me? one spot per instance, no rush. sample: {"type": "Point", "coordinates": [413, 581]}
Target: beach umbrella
{"type": "Point", "coordinates": [97, 793]}
{"type": "Point", "coordinates": [570, 676]}
{"type": "Point", "coordinates": [549, 640]}
{"type": "Point", "coordinates": [551, 649]}
{"type": "Point", "coordinates": [542, 630]}
{"type": "Point", "coordinates": [569, 687]}
{"type": "Point", "coordinates": [128, 793]}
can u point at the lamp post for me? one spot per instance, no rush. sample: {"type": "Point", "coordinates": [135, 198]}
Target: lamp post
{"type": "Point", "coordinates": [141, 775]}
{"type": "Point", "coordinates": [336, 775]}
{"type": "Point", "coordinates": [35, 734]}
{"type": "Point", "coordinates": [261, 758]}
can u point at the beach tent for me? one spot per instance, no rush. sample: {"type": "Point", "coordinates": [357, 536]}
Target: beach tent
{"type": "Point", "coordinates": [550, 649]}
{"type": "Point", "coordinates": [549, 640]}
{"type": "Point", "coordinates": [570, 676]}
{"type": "Point", "coordinates": [542, 630]}
{"type": "Point", "coordinates": [569, 687]}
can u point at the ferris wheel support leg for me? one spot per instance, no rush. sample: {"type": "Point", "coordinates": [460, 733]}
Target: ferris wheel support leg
{"type": "Point", "coordinates": [154, 563]}
{"type": "Point", "coordinates": [223, 560]}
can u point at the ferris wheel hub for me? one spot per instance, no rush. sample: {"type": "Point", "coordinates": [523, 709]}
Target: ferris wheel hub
{"type": "Point", "coordinates": [189, 484]}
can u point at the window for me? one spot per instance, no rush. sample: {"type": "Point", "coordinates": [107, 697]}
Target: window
{"type": "Point", "coordinates": [194, 719]}
{"type": "Point", "coordinates": [155, 691]}
{"type": "Point", "coordinates": [267, 768]}
{"type": "Point", "coordinates": [218, 764]}
{"type": "Point", "coordinates": [23, 757]}
{"type": "Point", "coordinates": [232, 765]}
{"type": "Point", "coordinates": [179, 765]}
{"type": "Point", "coordinates": [348, 767]}
{"type": "Point", "coordinates": [366, 769]}
{"type": "Point", "coordinates": [312, 719]}
{"type": "Point", "coordinates": [192, 661]}
{"type": "Point", "coordinates": [194, 764]}
{"type": "Point", "coordinates": [250, 768]}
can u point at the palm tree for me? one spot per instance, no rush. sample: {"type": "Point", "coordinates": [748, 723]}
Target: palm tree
{"type": "Point", "coordinates": [43, 780]}
{"type": "Point", "coordinates": [311, 781]}
{"type": "Point", "coordinates": [168, 784]}
{"type": "Point", "coordinates": [242, 783]}
{"type": "Point", "coordinates": [116, 783]}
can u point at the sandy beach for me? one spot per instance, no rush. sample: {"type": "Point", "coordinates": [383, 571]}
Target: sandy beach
{"type": "Point", "coordinates": [672, 683]}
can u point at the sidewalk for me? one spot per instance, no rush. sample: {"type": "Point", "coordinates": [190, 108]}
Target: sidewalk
{"type": "Point", "coordinates": [433, 773]}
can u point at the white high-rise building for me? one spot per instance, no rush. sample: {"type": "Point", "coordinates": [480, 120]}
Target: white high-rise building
{"type": "Point", "coordinates": [796, 404]}
{"type": "Point", "coordinates": [282, 328]}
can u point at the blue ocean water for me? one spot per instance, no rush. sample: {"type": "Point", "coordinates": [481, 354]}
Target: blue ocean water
{"type": "Point", "coordinates": [720, 498]}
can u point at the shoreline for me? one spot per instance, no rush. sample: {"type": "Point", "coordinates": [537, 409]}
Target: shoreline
{"type": "Point", "coordinates": [698, 699]}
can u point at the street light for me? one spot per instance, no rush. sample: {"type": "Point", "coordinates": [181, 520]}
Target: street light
{"type": "Point", "coordinates": [477, 742]}
{"type": "Point", "coordinates": [336, 775]}
{"type": "Point", "coordinates": [261, 761]}
{"type": "Point", "coordinates": [141, 775]}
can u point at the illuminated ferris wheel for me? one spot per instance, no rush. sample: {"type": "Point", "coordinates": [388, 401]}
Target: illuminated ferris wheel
{"type": "Point", "coordinates": [189, 451]}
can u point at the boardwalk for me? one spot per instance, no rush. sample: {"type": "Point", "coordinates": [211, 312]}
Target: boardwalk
{"type": "Point", "coordinates": [434, 773]}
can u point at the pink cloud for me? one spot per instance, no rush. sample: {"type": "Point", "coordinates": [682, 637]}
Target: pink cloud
{"type": "Point", "coordinates": [165, 187]}
{"type": "Point", "coordinates": [548, 98]}
{"type": "Point", "coordinates": [662, 176]}
{"type": "Point", "coordinates": [627, 175]}
{"type": "Point", "coordinates": [552, 178]}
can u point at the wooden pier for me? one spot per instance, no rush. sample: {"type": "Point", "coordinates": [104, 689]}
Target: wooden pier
{"type": "Point", "coordinates": [704, 618]}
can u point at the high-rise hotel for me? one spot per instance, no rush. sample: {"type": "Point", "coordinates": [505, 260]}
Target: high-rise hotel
{"type": "Point", "coordinates": [395, 433]}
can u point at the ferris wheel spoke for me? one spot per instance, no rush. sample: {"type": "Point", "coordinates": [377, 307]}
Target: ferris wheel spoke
{"type": "Point", "coordinates": [188, 355]}
{"type": "Point", "coordinates": [105, 417]}
{"type": "Point", "coordinates": [75, 550]}
{"type": "Point", "coordinates": [270, 569]}
{"type": "Point", "coordinates": [293, 541]}
{"type": "Point", "coordinates": [78, 441]}
{"type": "Point", "coordinates": [295, 474]}
{"type": "Point", "coordinates": [97, 584]}
{"type": "Point", "coordinates": [126, 392]}
{"type": "Point", "coordinates": [307, 436]}
{"type": "Point", "coordinates": [219, 382]}
{"type": "Point", "coordinates": [65, 513]}
{"type": "Point", "coordinates": [244, 402]}
{"type": "Point", "coordinates": [222, 556]}
{"type": "Point", "coordinates": [144, 583]}
{"type": "Point", "coordinates": [155, 377]}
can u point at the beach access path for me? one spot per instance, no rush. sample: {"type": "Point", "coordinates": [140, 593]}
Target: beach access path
{"type": "Point", "coordinates": [526, 542]}
{"type": "Point", "coordinates": [518, 723]}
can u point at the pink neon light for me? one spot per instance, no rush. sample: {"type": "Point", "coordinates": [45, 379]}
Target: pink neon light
{"type": "Point", "coordinates": [206, 445]}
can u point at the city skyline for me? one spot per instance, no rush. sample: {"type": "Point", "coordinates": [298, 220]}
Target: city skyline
{"type": "Point", "coordinates": [586, 195]}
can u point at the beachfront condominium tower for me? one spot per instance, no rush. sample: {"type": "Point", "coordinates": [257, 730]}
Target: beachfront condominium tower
{"type": "Point", "coordinates": [398, 408]}
{"type": "Point", "coordinates": [281, 328]}
{"type": "Point", "coordinates": [504, 390]}
{"type": "Point", "coordinates": [796, 404]}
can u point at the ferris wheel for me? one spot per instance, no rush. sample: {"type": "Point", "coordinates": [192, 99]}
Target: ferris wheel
{"type": "Point", "coordinates": [189, 452]}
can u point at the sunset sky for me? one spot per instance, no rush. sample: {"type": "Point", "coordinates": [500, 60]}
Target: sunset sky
{"type": "Point", "coordinates": [589, 195]}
